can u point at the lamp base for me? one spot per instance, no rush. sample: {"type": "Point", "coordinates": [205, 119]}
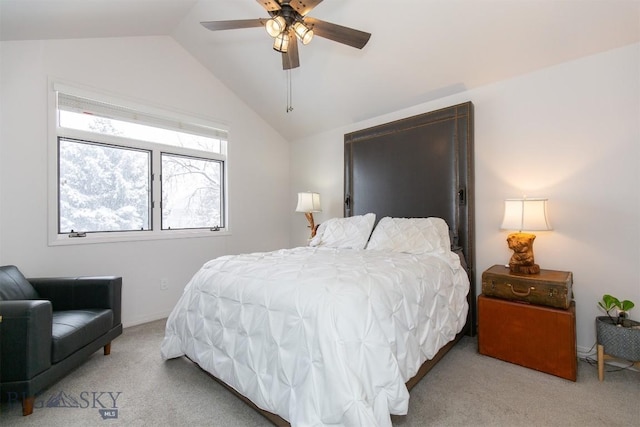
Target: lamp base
{"type": "Point", "coordinates": [524, 269]}
{"type": "Point", "coordinates": [311, 225]}
{"type": "Point", "coordinates": [522, 260]}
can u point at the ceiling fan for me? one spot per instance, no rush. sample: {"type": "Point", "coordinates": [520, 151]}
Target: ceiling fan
{"type": "Point", "coordinates": [289, 22]}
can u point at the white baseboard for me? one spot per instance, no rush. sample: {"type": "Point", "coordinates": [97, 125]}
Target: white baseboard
{"type": "Point", "coordinates": [592, 354]}
{"type": "Point", "coordinates": [584, 352]}
{"type": "Point", "coordinates": [138, 320]}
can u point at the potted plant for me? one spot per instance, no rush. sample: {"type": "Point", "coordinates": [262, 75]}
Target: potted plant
{"type": "Point", "coordinates": [609, 303]}
{"type": "Point", "coordinates": [619, 335]}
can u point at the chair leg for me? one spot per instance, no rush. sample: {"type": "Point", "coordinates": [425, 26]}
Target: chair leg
{"type": "Point", "coordinates": [600, 362]}
{"type": "Point", "coordinates": [27, 405]}
{"type": "Point", "coordinates": [107, 349]}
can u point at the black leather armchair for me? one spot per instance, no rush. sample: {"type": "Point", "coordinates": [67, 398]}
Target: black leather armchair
{"type": "Point", "coordinates": [49, 326]}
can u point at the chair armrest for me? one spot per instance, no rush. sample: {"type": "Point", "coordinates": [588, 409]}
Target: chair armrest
{"type": "Point", "coordinates": [73, 293]}
{"type": "Point", "coordinates": [25, 339]}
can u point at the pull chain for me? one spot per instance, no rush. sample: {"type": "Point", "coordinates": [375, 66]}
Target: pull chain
{"type": "Point", "coordinates": [289, 92]}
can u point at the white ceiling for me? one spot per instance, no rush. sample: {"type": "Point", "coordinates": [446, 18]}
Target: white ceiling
{"type": "Point", "coordinates": [419, 50]}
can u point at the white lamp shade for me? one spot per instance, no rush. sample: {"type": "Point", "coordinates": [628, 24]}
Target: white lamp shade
{"type": "Point", "coordinates": [308, 202]}
{"type": "Point", "coordinates": [304, 33]}
{"type": "Point", "coordinates": [525, 215]}
{"type": "Point", "coordinates": [281, 42]}
{"type": "Point", "coordinates": [275, 26]}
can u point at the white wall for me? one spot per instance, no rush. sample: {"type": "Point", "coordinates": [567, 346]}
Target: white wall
{"type": "Point", "coordinates": [149, 70]}
{"type": "Point", "coordinates": [570, 133]}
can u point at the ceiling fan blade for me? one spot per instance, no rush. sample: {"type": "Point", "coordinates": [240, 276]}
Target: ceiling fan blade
{"type": "Point", "coordinates": [269, 5]}
{"type": "Point", "coordinates": [304, 6]}
{"type": "Point", "coordinates": [232, 25]}
{"type": "Point", "coordinates": [338, 33]}
{"type": "Point", "coordinates": [291, 59]}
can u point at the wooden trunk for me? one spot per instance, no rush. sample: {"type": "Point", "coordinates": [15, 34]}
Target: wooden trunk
{"type": "Point", "coordinates": [536, 337]}
{"type": "Point", "coordinates": [549, 288]}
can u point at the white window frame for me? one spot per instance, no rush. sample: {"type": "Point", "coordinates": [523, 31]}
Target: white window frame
{"type": "Point", "coordinates": [56, 239]}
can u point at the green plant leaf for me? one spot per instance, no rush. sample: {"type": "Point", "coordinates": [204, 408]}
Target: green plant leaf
{"type": "Point", "coordinates": [609, 302]}
{"type": "Point", "coordinates": [626, 305]}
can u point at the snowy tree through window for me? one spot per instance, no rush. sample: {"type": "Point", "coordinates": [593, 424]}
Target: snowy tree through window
{"type": "Point", "coordinates": [121, 169]}
{"type": "Point", "coordinates": [103, 188]}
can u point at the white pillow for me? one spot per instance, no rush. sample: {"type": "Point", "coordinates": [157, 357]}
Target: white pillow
{"type": "Point", "coordinates": [351, 232]}
{"type": "Point", "coordinates": [411, 235]}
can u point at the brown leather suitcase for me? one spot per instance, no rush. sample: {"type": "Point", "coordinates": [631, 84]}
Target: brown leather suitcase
{"type": "Point", "coordinates": [550, 288]}
{"type": "Point", "coordinates": [540, 338]}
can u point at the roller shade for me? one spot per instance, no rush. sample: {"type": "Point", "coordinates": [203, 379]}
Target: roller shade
{"type": "Point", "coordinates": [78, 104]}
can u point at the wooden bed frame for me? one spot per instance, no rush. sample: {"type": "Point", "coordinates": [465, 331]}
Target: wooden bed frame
{"type": "Point", "coordinates": [420, 166]}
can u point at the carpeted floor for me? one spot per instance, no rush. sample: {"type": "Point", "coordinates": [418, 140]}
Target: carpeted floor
{"type": "Point", "coordinates": [134, 387]}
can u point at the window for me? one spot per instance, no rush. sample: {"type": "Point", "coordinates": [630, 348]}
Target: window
{"type": "Point", "coordinates": [131, 172]}
{"type": "Point", "coordinates": [191, 196]}
{"type": "Point", "coordinates": [102, 187]}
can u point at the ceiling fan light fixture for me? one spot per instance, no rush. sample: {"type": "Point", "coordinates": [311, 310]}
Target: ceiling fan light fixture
{"type": "Point", "coordinates": [304, 33]}
{"type": "Point", "coordinates": [288, 24]}
{"type": "Point", "coordinates": [281, 42]}
{"type": "Point", "coordinates": [275, 26]}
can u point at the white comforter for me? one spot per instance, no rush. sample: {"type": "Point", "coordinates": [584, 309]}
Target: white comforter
{"type": "Point", "coordinates": [320, 336]}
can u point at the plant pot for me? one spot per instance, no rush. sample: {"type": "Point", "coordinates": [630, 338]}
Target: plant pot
{"type": "Point", "coordinates": [618, 341]}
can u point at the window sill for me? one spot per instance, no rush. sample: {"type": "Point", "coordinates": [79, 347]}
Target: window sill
{"type": "Point", "coordinates": [133, 236]}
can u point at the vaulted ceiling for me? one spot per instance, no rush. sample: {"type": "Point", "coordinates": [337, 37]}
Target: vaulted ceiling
{"type": "Point", "coordinates": [419, 50]}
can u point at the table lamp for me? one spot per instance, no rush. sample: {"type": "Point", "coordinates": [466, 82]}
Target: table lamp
{"type": "Point", "coordinates": [308, 203]}
{"type": "Point", "coordinates": [524, 215]}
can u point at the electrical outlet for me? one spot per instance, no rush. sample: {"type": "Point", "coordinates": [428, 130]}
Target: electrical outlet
{"type": "Point", "coordinates": [164, 284]}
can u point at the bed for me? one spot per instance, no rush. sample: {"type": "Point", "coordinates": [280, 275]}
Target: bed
{"type": "Point", "coordinates": [337, 332]}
